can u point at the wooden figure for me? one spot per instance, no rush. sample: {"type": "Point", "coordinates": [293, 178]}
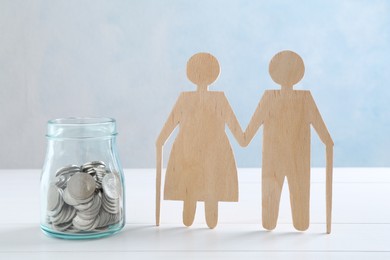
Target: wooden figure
{"type": "Point", "coordinates": [287, 115]}
{"type": "Point", "coordinates": [201, 165]}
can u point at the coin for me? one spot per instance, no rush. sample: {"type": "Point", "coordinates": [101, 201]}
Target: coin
{"type": "Point", "coordinates": [111, 186]}
{"type": "Point", "coordinates": [81, 186]}
{"type": "Point", "coordinates": [90, 165]}
{"type": "Point", "coordinates": [68, 170]}
{"type": "Point", "coordinates": [95, 223]}
{"type": "Point", "coordinates": [107, 219]}
{"type": "Point", "coordinates": [82, 224]}
{"type": "Point", "coordinates": [53, 198]}
{"type": "Point", "coordinates": [84, 198]}
{"type": "Point", "coordinates": [84, 206]}
{"type": "Point", "coordinates": [71, 214]}
{"type": "Point", "coordinates": [111, 206]}
{"type": "Point", "coordinates": [104, 218]}
{"type": "Point", "coordinates": [69, 199]}
{"type": "Point", "coordinates": [92, 211]}
{"type": "Point", "coordinates": [57, 218]}
{"type": "Point", "coordinates": [61, 181]}
{"type": "Point", "coordinates": [62, 226]}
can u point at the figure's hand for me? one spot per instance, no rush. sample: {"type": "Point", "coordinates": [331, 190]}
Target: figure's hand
{"type": "Point", "coordinates": [329, 145]}
{"type": "Point", "coordinates": [329, 151]}
{"type": "Point", "coordinates": [159, 144]}
{"type": "Point", "coordinates": [245, 140]}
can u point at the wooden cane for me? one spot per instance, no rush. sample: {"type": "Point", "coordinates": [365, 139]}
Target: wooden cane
{"type": "Point", "coordinates": [158, 183]}
{"type": "Point", "coordinates": [329, 180]}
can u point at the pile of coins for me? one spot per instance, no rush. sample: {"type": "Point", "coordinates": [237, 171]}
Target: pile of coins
{"type": "Point", "coordinates": [84, 198]}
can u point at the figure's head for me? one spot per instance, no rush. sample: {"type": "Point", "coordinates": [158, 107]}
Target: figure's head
{"type": "Point", "coordinates": [202, 69]}
{"type": "Point", "coordinates": [286, 68]}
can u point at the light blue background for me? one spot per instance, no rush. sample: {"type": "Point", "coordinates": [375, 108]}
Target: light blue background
{"type": "Point", "coordinates": [126, 59]}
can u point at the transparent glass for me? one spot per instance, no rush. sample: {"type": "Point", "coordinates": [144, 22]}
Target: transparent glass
{"type": "Point", "coordinates": [82, 182]}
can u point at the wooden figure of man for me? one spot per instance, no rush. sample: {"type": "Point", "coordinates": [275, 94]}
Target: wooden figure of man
{"type": "Point", "coordinates": [201, 165]}
{"type": "Point", "coordinates": [287, 115]}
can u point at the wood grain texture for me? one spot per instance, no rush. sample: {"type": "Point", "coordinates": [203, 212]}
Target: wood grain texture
{"type": "Point", "coordinates": [201, 165]}
{"type": "Point", "coordinates": [287, 115]}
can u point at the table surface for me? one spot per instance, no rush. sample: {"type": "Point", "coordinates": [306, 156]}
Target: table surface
{"type": "Point", "coordinates": [360, 229]}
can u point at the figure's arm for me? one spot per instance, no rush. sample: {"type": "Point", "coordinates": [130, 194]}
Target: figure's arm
{"type": "Point", "coordinates": [232, 122]}
{"type": "Point", "coordinates": [257, 120]}
{"type": "Point", "coordinates": [320, 127]}
{"type": "Point", "coordinates": [317, 122]}
{"type": "Point", "coordinates": [169, 126]}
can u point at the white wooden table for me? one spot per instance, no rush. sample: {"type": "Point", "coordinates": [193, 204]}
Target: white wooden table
{"type": "Point", "coordinates": [361, 222]}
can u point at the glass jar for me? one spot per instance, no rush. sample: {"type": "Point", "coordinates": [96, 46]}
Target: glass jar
{"type": "Point", "coordinates": [82, 183]}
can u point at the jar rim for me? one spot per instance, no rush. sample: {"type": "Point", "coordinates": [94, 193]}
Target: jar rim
{"type": "Point", "coordinates": [71, 121]}
{"type": "Point", "coordinates": [81, 128]}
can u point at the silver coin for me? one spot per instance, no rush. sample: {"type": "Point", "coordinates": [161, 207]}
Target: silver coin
{"type": "Point", "coordinates": [93, 164]}
{"type": "Point", "coordinates": [54, 213]}
{"type": "Point", "coordinates": [66, 214]}
{"type": "Point", "coordinates": [110, 201]}
{"type": "Point", "coordinates": [111, 186]}
{"type": "Point", "coordinates": [107, 219]}
{"type": "Point", "coordinates": [93, 211]}
{"type": "Point", "coordinates": [73, 229]}
{"type": "Point", "coordinates": [115, 219]}
{"type": "Point", "coordinates": [97, 163]}
{"type": "Point", "coordinates": [69, 199]}
{"type": "Point", "coordinates": [109, 207]}
{"type": "Point", "coordinates": [53, 198]}
{"type": "Point", "coordinates": [57, 218]}
{"type": "Point", "coordinates": [83, 199]}
{"type": "Point", "coordinates": [84, 206]}
{"type": "Point", "coordinates": [62, 227]}
{"type": "Point", "coordinates": [67, 170]}
{"type": "Point", "coordinates": [98, 182]}
{"type": "Point", "coordinates": [61, 181]}
{"type": "Point", "coordinates": [82, 224]}
{"type": "Point", "coordinates": [104, 218]}
{"type": "Point", "coordinates": [58, 209]}
{"type": "Point", "coordinates": [81, 186]}
{"type": "Point", "coordinates": [48, 221]}
{"type": "Point", "coordinates": [97, 203]}
{"type": "Point", "coordinates": [95, 223]}
{"type": "Point", "coordinates": [100, 172]}
{"type": "Point", "coordinates": [72, 201]}
{"type": "Point", "coordinates": [70, 214]}
{"type": "Point", "coordinates": [111, 210]}
{"type": "Point", "coordinates": [63, 177]}
{"type": "Point", "coordinates": [91, 172]}
{"type": "Point", "coordinates": [100, 168]}
{"type": "Point", "coordinates": [85, 216]}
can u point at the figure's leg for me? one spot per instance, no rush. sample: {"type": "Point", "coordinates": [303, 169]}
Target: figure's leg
{"type": "Point", "coordinates": [211, 210]}
{"type": "Point", "coordinates": [299, 185]}
{"type": "Point", "coordinates": [272, 184]}
{"type": "Point", "coordinates": [189, 210]}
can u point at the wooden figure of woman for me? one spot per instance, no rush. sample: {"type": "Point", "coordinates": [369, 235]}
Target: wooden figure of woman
{"type": "Point", "coordinates": [201, 165]}
{"type": "Point", "coordinates": [287, 115]}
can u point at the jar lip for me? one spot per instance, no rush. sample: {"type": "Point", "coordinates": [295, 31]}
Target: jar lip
{"type": "Point", "coordinates": [81, 128]}
{"type": "Point", "coordinates": [73, 121]}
